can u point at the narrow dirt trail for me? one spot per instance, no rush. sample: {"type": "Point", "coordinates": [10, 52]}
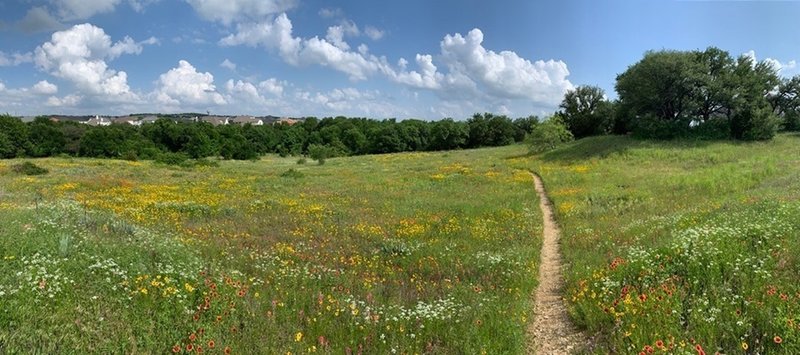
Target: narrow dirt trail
{"type": "Point", "coordinates": [551, 331]}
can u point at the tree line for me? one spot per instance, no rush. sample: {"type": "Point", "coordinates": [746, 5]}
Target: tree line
{"type": "Point", "coordinates": [327, 137]}
{"type": "Point", "coordinates": [705, 94]}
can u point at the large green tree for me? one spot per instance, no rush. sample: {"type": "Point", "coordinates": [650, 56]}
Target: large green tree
{"type": "Point", "coordinates": [786, 103]}
{"type": "Point", "coordinates": [586, 111]}
{"type": "Point", "coordinates": [16, 132]}
{"type": "Point", "coordinates": [448, 134]}
{"type": "Point", "coordinates": [660, 84]}
{"type": "Point", "coordinates": [753, 117]}
{"type": "Point", "coordinates": [708, 93]}
{"type": "Point", "coordinates": [46, 137]}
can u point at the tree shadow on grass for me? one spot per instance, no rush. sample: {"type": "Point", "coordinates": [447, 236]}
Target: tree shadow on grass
{"type": "Point", "coordinates": [601, 147]}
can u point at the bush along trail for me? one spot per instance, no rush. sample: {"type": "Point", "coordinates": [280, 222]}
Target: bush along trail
{"type": "Point", "coordinates": [551, 331]}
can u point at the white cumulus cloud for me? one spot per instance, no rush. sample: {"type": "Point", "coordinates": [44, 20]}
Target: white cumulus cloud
{"type": "Point", "coordinates": [332, 51]}
{"type": "Point", "coordinates": [44, 88]}
{"type": "Point", "coordinates": [349, 102]}
{"type": "Point", "coordinates": [231, 11]}
{"type": "Point", "coordinates": [276, 34]}
{"type": "Point", "coordinates": [373, 33]}
{"type": "Point", "coordinates": [472, 71]}
{"type": "Point", "coordinates": [272, 86]}
{"type": "Point", "coordinates": [183, 85]}
{"type": "Point", "coordinates": [426, 78]}
{"type": "Point", "coordinates": [227, 64]}
{"type": "Point", "coordinates": [330, 12]}
{"type": "Point", "coordinates": [84, 9]}
{"type": "Point", "coordinates": [783, 68]}
{"type": "Point", "coordinates": [505, 74]}
{"type": "Point", "coordinates": [79, 56]}
{"type": "Point", "coordinates": [15, 59]}
{"type": "Point", "coordinates": [71, 100]}
{"type": "Point", "coordinates": [139, 5]}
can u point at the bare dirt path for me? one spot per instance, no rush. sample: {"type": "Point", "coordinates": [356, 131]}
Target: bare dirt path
{"type": "Point", "coordinates": [551, 331]}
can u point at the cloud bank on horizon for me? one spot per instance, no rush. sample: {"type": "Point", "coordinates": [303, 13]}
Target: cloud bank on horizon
{"type": "Point", "coordinates": [270, 63]}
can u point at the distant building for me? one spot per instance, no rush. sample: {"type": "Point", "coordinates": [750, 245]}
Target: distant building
{"type": "Point", "coordinates": [148, 119]}
{"type": "Point", "coordinates": [243, 120]}
{"type": "Point", "coordinates": [286, 121]}
{"type": "Point", "coordinates": [215, 120]}
{"type": "Point", "coordinates": [98, 121]}
{"type": "Point", "coordinates": [131, 120]}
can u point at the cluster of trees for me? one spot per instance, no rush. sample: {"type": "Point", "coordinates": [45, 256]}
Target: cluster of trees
{"type": "Point", "coordinates": [706, 94]}
{"type": "Point", "coordinates": [331, 136]}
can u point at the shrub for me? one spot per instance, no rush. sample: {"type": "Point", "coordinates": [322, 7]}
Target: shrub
{"type": "Point", "coordinates": [301, 161]}
{"type": "Point", "coordinates": [130, 156]}
{"type": "Point", "coordinates": [716, 128]}
{"type": "Point", "coordinates": [28, 168]}
{"type": "Point", "coordinates": [548, 135]}
{"type": "Point", "coordinates": [320, 152]}
{"type": "Point", "coordinates": [291, 173]}
{"type": "Point", "coordinates": [650, 126]}
{"type": "Point", "coordinates": [172, 158]}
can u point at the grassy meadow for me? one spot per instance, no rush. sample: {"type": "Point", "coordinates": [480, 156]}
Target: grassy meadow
{"type": "Point", "coordinates": [406, 253]}
{"type": "Point", "coordinates": [682, 247]}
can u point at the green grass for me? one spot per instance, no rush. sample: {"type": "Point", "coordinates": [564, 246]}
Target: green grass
{"type": "Point", "coordinates": [418, 253]}
{"type": "Point", "coordinates": [676, 246]}
{"type": "Point", "coordinates": [693, 244]}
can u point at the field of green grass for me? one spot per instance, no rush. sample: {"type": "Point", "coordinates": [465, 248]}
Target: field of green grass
{"type": "Point", "coordinates": [406, 253]}
{"type": "Point", "coordinates": [686, 247]}
{"type": "Point", "coordinates": [682, 247]}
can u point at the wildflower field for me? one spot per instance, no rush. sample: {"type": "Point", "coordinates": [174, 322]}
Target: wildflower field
{"type": "Point", "coordinates": [680, 247]}
{"type": "Point", "coordinates": [406, 253]}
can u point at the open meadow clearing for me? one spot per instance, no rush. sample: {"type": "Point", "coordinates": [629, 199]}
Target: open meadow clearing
{"type": "Point", "coordinates": [682, 247]}
{"type": "Point", "coordinates": [417, 252]}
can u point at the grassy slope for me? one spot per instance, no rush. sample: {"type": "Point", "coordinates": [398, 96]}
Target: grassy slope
{"type": "Point", "coordinates": [694, 244]}
{"type": "Point", "coordinates": [415, 252]}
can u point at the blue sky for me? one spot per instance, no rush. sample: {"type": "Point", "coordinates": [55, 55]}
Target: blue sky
{"type": "Point", "coordinates": [382, 59]}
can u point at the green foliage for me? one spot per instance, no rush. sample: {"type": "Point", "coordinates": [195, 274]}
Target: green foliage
{"type": "Point", "coordinates": [7, 149]}
{"type": "Point", "coordinates": [523, 126]}
{"type": "Point", "coordinates": [548, 135]}
{"type": "Point", "coordinates": [170, 158]}
{"type": "Point", "coordinates": [670, 94]}
{"type": "Point", "coordinates": [755, 123]}
{"type": "Point", "coordinates": [204, 162]}
{"type": "Point", "coordinates": [786, 103]}
{"type": "Point", "coordinates": [292, 174]}
{"type": "Point", "coordinates": [343, 136]}
{"type": "Point", "coordinates": [28, 168]}
{"type": "Point", "coordinates": [586, 112]}
{"type": "Point", "coordinates": [152, 257]}
{"type": "Point", "coordinates": [650, 126]}
{"type": "Point", "coordinates": [681, 241]}
{"type": "Point", "coordinates": [490, 130]}
{"type": "Point", "coordinates": [320, 152]}
{"type": "Point", "coordinates": [235, 145]}
{"type": "Point", "coordinates": [16, 137]}
{"type": "Point", "coordinates": [447, 134]}
{"type": "Point", "coordinates": [130, 155]}
{"type": "Point", "coordinates": [301, 161]}
{"type": "Point", "coordinates": [46, 138]}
